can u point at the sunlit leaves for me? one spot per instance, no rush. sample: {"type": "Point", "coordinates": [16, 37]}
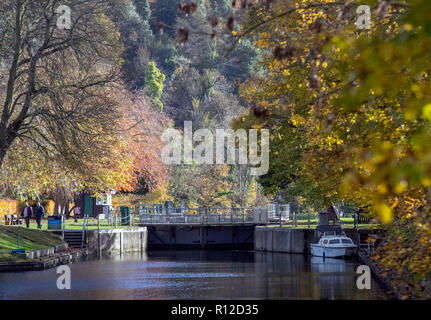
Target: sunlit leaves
{"type": "Point", "coordinates": [360, 101]}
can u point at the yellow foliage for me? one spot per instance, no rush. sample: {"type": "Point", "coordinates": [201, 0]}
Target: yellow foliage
{"type": "Point", "coordinates": [8, 207]}
{"type": "Point", "coordinates": [15, 207]}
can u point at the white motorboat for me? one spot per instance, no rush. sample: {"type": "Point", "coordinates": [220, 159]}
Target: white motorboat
{"type": "Point", "coordinates": [333, 246]}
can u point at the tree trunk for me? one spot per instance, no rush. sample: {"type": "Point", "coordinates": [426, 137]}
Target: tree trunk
{"type": "Point", "coordinates": [2, 156]}
{"type": "Point", "coordinates": [60, 199]}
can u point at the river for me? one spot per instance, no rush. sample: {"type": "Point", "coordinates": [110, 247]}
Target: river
{"type": "Point", "coordinates": [196, 275]}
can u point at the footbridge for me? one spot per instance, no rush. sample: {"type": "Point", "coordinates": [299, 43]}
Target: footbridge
{"type": "Point", "coordinates": [201, 227]}
{"type": "Point", "coordinates": [203, 216]}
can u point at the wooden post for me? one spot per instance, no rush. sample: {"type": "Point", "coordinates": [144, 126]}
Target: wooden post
{"type": "Point", "coordinates": [98, 222]}
{"type": "Point", "coordinates": [308, 219]}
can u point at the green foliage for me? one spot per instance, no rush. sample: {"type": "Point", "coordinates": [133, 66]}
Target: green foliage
{"type": "Point", "coordinates": [136, 36]}
{"type": "Point", "coordinates": [154, 84]}
{"type": "Point", "coordinates": [200, 49]}
{"type": "Point", "coordinates": [222, 8]}
{"type": "Point", "coordinates": [348, 111]}
{"type": "Point", "coordinates": [163, 51]}
{"type": "Point", "coordinates": [165, 11]}
{"type": "Point", "coordinates": [241, 63]}
{"type": "Point", "coordinates": [143, 8]}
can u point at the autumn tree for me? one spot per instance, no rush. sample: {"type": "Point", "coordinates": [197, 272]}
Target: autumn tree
{"type": "Point", "coordinates": [130, 161]}
{"type": "Point", "coordinates": [67, 121]}
{"type": "Point", "coordinates": [348, 110]}
{"type": "Point", "coordinates": [142, 130]}
{"type": "Point", "coordinates": [54, 89]}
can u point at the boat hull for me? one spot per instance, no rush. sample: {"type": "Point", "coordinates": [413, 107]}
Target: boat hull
{"type": "Point", "coordinates": [332, 252]}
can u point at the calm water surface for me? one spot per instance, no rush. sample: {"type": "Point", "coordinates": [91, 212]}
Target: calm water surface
{"type": "Point", "coordinates": [196, 275]}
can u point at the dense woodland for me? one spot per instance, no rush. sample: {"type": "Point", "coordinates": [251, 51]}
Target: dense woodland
{"type": "Point", "coordinates": [148, 79]}
{"type": "Point", "coordinates": [348, 109]}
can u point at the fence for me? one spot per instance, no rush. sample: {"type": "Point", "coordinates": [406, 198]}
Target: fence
{"type": "Point", "coordinates": [285, 215]}
{"type": "Point", "coordinates": [186, 216]}
{"type": "Point", "coordinates": [213, 216]}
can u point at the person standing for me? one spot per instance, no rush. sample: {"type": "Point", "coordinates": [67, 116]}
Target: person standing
{"type": "Point", "coordinates": [77, 213]}
{"type": "Point", "coordinates": [27, 212]}
{"type": "Point", "coordinates": [40, 213]}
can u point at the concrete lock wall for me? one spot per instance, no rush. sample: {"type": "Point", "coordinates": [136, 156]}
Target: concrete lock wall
{"type": "Point", "coordinates": [279, 240]}
{"type": "Point", "coordinates": [200, 236]}
{"type": "Point", "coordinates": [117, 241]}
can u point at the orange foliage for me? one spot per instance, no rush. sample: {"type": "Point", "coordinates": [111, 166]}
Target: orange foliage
{"type": "Point", "coordinates": [143, 127]}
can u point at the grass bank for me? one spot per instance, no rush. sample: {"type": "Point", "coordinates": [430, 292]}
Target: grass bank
{"type": "Point", "coordinates": [31, 240]}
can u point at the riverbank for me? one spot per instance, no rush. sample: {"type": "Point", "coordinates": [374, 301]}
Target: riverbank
{"type": "Point", "coordinates": [44, 262]}
{"type": "Point", "coordinates": [30, 240]}
{"type": "Point", "coordinates": [398, 286]}
{"type": "Point", "coordinates": [42, 250]}
{"type": "Point", "coordinates": [382, 281]}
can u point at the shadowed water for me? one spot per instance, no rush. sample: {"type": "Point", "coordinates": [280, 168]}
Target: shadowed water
{"type": "Point", "coordinates": [195, 275]}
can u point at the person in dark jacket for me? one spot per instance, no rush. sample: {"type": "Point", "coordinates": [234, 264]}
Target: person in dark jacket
{"type": "Point", "coordinates": [40, 213]}
{"type": "Point", "coordinates": [27, 212]}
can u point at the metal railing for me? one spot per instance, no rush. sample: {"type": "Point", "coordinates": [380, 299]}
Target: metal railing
{"type": "Point", "coordinates": [284, 211]}
{"type": "Point", "coordinates": [369, 247]}
{"type": "Point", "coordinates": [205, 216]}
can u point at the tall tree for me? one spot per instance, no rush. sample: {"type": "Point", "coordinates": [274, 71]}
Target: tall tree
{"type": "Point", "coordinates": [143, 8]}
{"type": "Point", "coordinates": [358, 102]}
{"type": "Point", "coordinates": [154, 84]}
{"type": "Point", "coordinates": [53, 92]}
{"type": "Point", "coordinates": [133, 24]}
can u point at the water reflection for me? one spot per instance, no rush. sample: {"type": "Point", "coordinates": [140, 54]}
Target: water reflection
{"type": "Point", "coordinates": [195, 275]}
{"type": "Point", "coordinates": [303, 277]}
